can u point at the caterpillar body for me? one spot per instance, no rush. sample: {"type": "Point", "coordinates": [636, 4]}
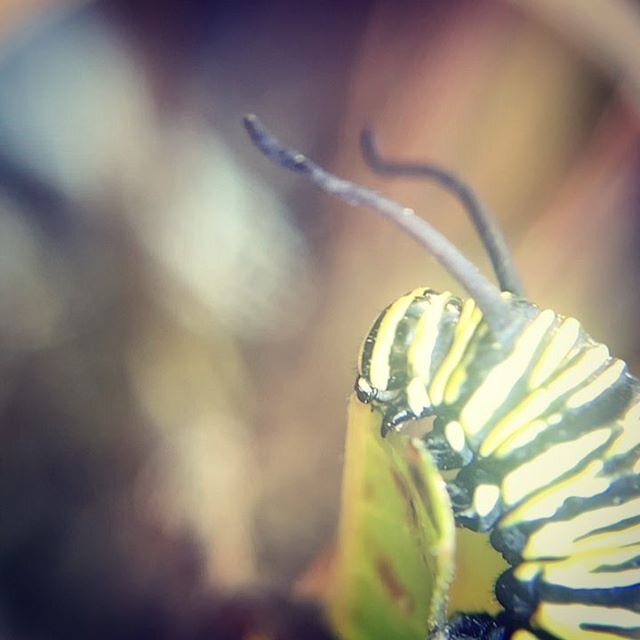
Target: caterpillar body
{"type": "Point", "coordinates": [541, 423]}
{"type": "Point", "coordinates": [546, 433]}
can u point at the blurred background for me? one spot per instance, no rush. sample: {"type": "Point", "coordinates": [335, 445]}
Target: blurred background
{"type": "Point", "coordinates": [179, 320]}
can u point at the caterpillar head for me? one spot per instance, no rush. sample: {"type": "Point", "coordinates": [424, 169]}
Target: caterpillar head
{"type": "Point", "coordinates": [391, 403]}
{"type": "Point", "coordinates": [400, 353]}
{"type": "Point", "coordinates": [391, 378]}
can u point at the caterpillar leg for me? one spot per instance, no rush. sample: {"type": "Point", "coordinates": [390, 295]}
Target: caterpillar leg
{"type": "Point", "coordinates": [480, 626]}
{"type": "Point", "coordinates": [472, 626]}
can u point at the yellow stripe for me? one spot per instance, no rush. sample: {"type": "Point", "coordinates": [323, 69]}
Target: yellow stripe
{"type": "Point", "coordinates": [537, 402]}
{"type": "Point", "coordinates": [597, 386]}
{"type": "Point", "coordinates": [523, 634]}
{"type": "Point", "coordinates": [587, 364]}
{"type": "Point", "coordinates": [575, 576]}
{"type": "Point", "coordinates": [379, 366]}
{"type": "Point", "coordinates": [584, 484]}
{"type": "Point", "coordinates": [610, 557]}
{"type": "Point", "coordinates": [527, 571]}
{"type": "Point", "coordinates": [470, 318]}
{"type": "Point", "coordinates": [555, 352]}
{"type": "Point", "coordinates": [609, 540]}
{"type": "Point", "coordinates": [522, 437]}
{"type": "Point", "coordinates": [550, 465]}
{"type": "Point", "coordinates": [559, 538]}
{"type": "Point", "coordinates": [565, 620]}
{"type": "Point", "coordinates": [420, 352]}
{"type": "Point", "coordinates": [520, 416]}
{"type": "Point", "coordinates": [586, 571]}
{"type": "Point", "coordinates": [499, 382]}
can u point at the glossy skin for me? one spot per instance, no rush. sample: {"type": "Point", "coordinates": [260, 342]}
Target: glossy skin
{"type": "Point", "coordinates": [544, 428]}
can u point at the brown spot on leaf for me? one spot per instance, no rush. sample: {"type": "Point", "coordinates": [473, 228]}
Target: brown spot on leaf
{"type": "Point", "coordinates": [404, 489]}
{"type": "Point", "coordinates": [421, 485]}
{"type": "Point", "coordinates": [368, 491]}
{"type": "Point", "coordinates": [401, 485]}
{"type": "Point", "coordinates": [400, 596]}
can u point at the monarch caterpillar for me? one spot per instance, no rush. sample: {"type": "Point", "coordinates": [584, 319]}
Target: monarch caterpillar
{"type": "Point", "coordinates": [541, 424]}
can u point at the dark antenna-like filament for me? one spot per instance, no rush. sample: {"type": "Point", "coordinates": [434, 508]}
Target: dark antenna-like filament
{"type": "Point", "coordinates": [496, 311]}
{"type": "Point", "coordinates": [484, 221]}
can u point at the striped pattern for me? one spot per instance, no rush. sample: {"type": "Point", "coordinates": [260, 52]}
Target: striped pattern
{"type": "Point", "coordinates": [545, 431]}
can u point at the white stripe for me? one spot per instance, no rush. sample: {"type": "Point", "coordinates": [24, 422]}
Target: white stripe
{"type": "Point", "coordinates": [585, 484]}
{"type": "Point", "coordinates": [536, 403]}
{"type": "Point", "coordinates": [585, 571]}
{"type": "Point", "coordinates": [417, 396]}
{"type": "Point", "coordinates": [454, 434]}
{"type": "Point", "coordinates": [420, 351]}
{"type": "Point", "coordinates": [470, 318]}
{"type": "Point", "coordinates": [559, 538]}
{"type": "Point", "coordinates": [379, 364]}
{"type": "Point", "coordinates": [609, 540]}
{"type": "Point", "coordinates": [499, 382]}
{"type": "Point", "coordinates": [550, 465]}
{"type": "Point", "coordinates": [585, 366]}
{"type": "Point", "coordinates": [521, 438]}
{"type": "Point", "coordinates": [566, 620]}
{"type": "Point", "coordinates": [555, 352]}
{"type": "Point", "coordinates": [597, 386]}
{"type": "Point", "coordinates": [485, 498]}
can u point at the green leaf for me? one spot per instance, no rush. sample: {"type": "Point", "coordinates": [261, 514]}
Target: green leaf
{"type": "Point", "coordinates": [396, 539]}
